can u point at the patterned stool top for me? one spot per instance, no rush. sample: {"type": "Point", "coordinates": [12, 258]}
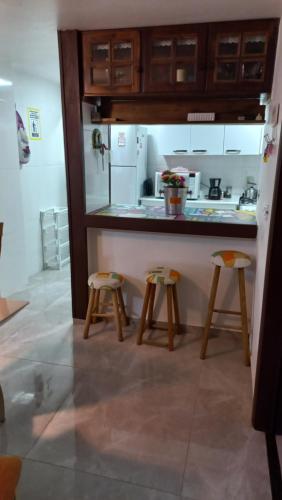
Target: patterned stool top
{"type": "Point", "coordinates": [162, 276]}
{"type": "Point", "coordinates": [231, 258]}
{"type": "Point", "coordinates": [105, 281]}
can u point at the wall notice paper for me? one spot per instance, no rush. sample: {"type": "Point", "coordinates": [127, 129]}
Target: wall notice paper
{"type": "Point", "coordinates": [121, 139]}
{"type": "Point", "coordinates": [34, 125]}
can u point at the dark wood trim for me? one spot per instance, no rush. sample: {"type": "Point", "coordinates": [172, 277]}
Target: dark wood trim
{"type": "Point", "coordinates": [171, 226]}
{"type": "Point", "coordinates": [69, 50]}
{"type": "Point", "coordinates": [267, 406]}
{"type": "Point", "coordinates": [274, 466]}
{"type": "Point", "coordinates": [156, 110]}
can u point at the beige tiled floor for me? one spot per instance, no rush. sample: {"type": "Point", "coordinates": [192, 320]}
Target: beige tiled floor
{"type": "Point", "coordinates": [99, 419]}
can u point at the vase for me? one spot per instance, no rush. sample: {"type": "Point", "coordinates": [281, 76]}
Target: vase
{"type": "Point", "coordinates": [175, 199]}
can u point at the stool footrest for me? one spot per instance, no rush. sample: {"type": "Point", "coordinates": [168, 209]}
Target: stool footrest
{"type": "Point", "coordinates": [156, 327]}
{"type": "Point", "coordinates": [227, 327]}
{"type": "Point", "coordinates": [225, 311]}
{"type": "Point", "coordinates": [103, 315]}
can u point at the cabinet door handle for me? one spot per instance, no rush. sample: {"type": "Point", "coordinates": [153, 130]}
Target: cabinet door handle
{"type": "Point", "coordinates": [200, 151]}
{"type": "Point", "coordinates": [180, 151]}
{"type": "Point", "coordinates": [232, 151]}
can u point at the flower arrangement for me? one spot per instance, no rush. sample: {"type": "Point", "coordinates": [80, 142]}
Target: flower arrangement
{"type": "Point", "coordinates": [171, 179]}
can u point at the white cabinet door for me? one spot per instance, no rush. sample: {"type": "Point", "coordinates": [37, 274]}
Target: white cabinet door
{"type": "Point", "coordinates": [207, 139]}
{"type": "Point", "coordinates": [172, 139]}
{"type": "Point", "coordinates": [242, 139]}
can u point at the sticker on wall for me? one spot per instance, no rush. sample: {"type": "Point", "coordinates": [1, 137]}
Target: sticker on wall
{"type": "Point", "coordinates": [34, 125]}
{"type": "Point", "coordinates": [24, 151]}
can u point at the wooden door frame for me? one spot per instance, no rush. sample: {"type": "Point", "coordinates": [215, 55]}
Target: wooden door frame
{"type": "Point", "coordinates": [267, 402]}
{"type": "Point", "coordinates": [71, 88]}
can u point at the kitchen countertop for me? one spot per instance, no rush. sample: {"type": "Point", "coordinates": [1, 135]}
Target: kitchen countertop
{"type": "Point", "coordinates": [201, 202]}
{"type": "Point", "coordinates": [198, 221]}
{"type": "Point", "coordinates": [190, 214]}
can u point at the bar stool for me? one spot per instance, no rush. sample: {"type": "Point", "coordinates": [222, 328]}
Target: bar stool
{"type": "Point", "coordinates": [165, 277]}
{"type": "Point", "coordinates": [231, 259]}
{"type": "Point", "coordinates": [111, 282]}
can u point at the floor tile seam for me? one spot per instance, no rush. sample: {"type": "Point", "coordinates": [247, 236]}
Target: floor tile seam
{"type": "Point", "coordinates": [48, 423]}
{"type": "Point", "coordinates": [35, 361]}
{"type": "Point", "coordinates": [95, 474]}
{"type": "Point", "coordinates": [191, 429]}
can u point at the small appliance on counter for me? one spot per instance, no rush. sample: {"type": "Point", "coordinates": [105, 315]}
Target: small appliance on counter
{"type": "Point", "coordinates": [214, 190]}
{"type": "Point", "coordinates": [148, 188]}
{"type": "Point", "coordinates": [250, 195]}
{"type": "Point", "coordinates": [192, 181]}
{"type": "Point", "coordinates": [227, 193]}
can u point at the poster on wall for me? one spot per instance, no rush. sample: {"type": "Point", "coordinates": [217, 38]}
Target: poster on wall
{"type": "Point", "coordinates": [24, 150]}
{"type": "Point", "coordinates": [34, 125]}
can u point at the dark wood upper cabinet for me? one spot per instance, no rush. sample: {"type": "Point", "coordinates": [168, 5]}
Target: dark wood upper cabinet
{"type": "Point", "coordinates": [111, 62]}
{"type": "Point", "coordinates": [241, 57]}
{"type": "Point", "coordinates": [210, 59]}
{"type": "Point", "coordinates": [174, 59]}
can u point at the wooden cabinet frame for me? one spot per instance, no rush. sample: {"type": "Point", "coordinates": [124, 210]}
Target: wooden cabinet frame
{"type": "Point", "coordinates": [111, 37]}
{"type": "Point", "coordinates": [199, 31]}
{"type": "Point", "coordinates": [242, 29]}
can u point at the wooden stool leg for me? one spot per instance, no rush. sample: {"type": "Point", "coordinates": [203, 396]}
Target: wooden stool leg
{"type": "Point", "coordinates": [151, 305]}
{"type": "Point", "coordinates": [122, 308]}
{"type": "Point", "coordinates": [210, 311]}
{"type": "Point", "coordinates": [169, 318]}
{"type": "Point", "coordinates": [117, 314]}
{"type": "Point", "coordinates": [144, 314]}
{"type": "Point", "coordinates": [96, 305]}
{"type": "Point", "coordinates": [176, 309]}
{"type": "Point", "coordinates": [244, 317]}
{"type": "Point", "coordinates": [89, 312]}
{"type": "Point", "coordinates": [2, 406]}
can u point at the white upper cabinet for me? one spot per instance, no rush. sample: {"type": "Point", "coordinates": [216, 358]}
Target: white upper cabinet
{"type": "Point", "coordinates": [172, 139]}
{"type": "Point", "coordinates": [243, 139]}
{"type": "Point", "coordinates": [206, 139]}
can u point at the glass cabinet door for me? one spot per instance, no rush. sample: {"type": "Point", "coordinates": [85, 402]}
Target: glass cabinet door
{"type": "Point", "coordinates": [254, 44]}
{"type": "Point", "coordinates": [122, 51]}
{"type": "Point", "coordinates": [241, 57]}
{"type": "Point", "coordinates": [173, 60]}
{"type": "Point", "coordinates": [228, 45]}
{"type": "Point", "coordinates": [111, 62]}
{"type": "Point", "coordinates": [162, 49]}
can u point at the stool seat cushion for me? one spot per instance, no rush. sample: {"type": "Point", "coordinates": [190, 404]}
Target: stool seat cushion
{"type": "Point", "coordinates": [105, 281]}
{"type": "Point", "coordinates": [231, 258]}
{"type": "Point", "coordinates": [162, 276]}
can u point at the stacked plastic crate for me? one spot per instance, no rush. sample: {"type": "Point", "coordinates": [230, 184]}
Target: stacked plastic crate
{"type": "Point", "coordinates": [55, 237]}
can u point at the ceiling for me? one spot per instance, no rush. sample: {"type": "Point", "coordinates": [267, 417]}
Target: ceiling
{"type": "Point", "coordinates": [28, 39]}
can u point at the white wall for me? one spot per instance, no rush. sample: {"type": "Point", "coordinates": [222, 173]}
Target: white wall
{"type": "Point", "coordinates": [267, 182]}
{"type": "Point", "coordinates": [27, 189]}
{"type": "Point", "coordinates": [43, 179]}
{"type": "Point", "coordinates": [13, 258]}
{"type": "Point", "coordinates": [232, 169]}
{"type": "Point", "coordinates": [133, 253]}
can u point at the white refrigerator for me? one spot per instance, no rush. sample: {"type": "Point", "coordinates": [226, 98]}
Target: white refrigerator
{"type": "Point", "coordinates": [128, 163]}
